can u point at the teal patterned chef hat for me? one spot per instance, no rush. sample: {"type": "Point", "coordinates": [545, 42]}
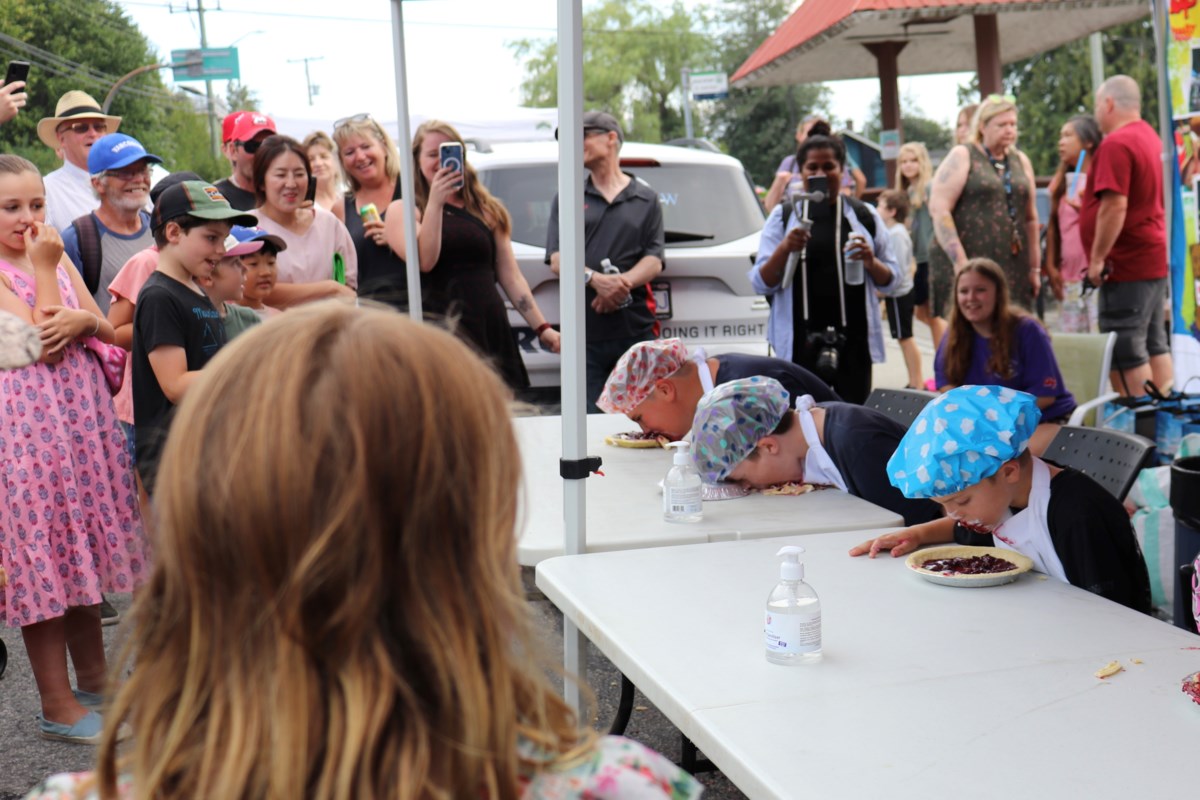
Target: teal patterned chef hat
{"type": "Point", "coordinates": [731, 419]}
{"type": "Point", "coordinates": [962, 437]}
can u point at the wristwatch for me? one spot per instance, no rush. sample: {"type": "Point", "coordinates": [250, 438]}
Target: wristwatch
{"type": "Point", "coordinates": [587, 276]}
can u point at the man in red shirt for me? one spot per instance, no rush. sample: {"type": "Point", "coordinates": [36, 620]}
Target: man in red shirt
{"type": "Point", "coordinates": [1124, 230]}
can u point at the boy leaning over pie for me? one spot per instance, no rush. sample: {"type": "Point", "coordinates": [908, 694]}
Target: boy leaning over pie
{"type": "Point", "coordinates": [968, 451]}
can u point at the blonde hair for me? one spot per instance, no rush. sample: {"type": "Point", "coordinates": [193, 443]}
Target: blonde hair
{"type": "Point", "coordinates": [336, 608]}
{"type": "Point", "coordinates": [915, 189]}
{"type": "Point", "coordinates": [477, 200]}
{"type": "Point", "coordinates": [367, 127]}
{"type": "Point", "coordinates": [988, 109]}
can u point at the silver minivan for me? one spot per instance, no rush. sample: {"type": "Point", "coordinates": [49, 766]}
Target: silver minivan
{"type": "Point", "coordinates": [712, 220]}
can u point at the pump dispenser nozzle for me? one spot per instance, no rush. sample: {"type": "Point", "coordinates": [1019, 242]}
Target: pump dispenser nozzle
{"type": "Point", "coordinates": [792, 568]}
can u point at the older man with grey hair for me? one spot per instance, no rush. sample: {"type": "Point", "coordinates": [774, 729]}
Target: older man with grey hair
{"type": "Point", "coordinates": [1124, 231]}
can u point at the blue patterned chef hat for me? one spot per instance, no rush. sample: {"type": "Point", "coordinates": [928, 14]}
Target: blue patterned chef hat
{"type": "Point", "coordinates": [962, 437]}
{"type": "Point", "coordinates": [731, 419]}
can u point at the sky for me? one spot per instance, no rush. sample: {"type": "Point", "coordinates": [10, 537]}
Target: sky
{"type": "Point", "coordinates": [457, 56]}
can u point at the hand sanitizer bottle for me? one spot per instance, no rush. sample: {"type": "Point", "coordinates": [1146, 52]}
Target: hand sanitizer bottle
{"type": "Point", "coordinates": [793, 619]}
{"type": "Point", "coordinates": [682, 488]}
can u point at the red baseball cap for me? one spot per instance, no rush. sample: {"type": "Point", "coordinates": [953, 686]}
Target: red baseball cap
{"type": "Point", "coordinates": [249, 125]}
{"type": "Point", "coordinates": [227, 125]}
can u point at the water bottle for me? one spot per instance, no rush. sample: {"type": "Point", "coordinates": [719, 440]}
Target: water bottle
{"type": "Point", "coordinates": [608, 268]}
{"type": "Point", "coordinates": [852, 265]}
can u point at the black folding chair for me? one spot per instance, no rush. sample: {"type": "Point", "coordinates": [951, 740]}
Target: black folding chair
{"type": "Point", "coordinates": [1186, 572]}
{"type": "Point", "coordinates": [902, 405]}
{"type": "Point", "coordinates": [1110, 458]}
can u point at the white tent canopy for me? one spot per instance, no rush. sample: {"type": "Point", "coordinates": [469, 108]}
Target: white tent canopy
{"type": "Point", "coordinates": [518, 124]}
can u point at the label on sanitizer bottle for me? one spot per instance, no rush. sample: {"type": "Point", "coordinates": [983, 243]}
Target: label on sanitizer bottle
{"type": "Point", "coordinates": [792, 633]}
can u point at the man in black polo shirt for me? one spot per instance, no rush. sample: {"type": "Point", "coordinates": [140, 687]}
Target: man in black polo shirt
{"type": "Point", "coordinates": [622, 224]}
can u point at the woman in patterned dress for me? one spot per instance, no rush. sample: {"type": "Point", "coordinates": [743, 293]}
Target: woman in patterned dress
{"type": "Point", "coordinates": [69, 521]}
{"type": "Point", "coordinates": [368, 638]}
{"type": "Point", "coordinates": [983, 206]}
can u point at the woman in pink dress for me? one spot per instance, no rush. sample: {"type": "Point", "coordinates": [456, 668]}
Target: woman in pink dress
{"type": "Point", "coordinates": [1066, 262]}
{"type": "Point", "coordinates": [69, 522]}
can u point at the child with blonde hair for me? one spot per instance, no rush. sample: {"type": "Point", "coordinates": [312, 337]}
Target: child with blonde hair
{"type": "Point", "coordinates": [369, 636]}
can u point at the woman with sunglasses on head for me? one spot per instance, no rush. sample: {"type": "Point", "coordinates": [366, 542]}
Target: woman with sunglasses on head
{"type": "Point", "coordinates": [320, 261]}
{"type": "Point", "coordinates": [464, 235]}
{"type": "Point", "coordinates": [371, 163]}
{"type": "Point", "coordinates": [1066, 260]}
{"type": "Point", "coordinates": [983, 206]}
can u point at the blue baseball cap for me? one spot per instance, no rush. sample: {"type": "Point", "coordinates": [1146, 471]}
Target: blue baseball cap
{"type": "Point", "coordinates": [255, 235]}
{"type": "Point", "coordinates": [117, 150]}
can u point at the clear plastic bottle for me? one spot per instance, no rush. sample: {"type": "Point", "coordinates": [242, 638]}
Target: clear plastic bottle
{"type": "Point", "coordinates": [682, 488]}
{"type": "Point", "coordinates": [852, 265]}
{"type": "Point", "coordinates": [609, 268]}
{"type": "Point", "coordinates": [793, 618]}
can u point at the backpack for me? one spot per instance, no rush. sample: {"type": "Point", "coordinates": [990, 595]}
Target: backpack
{"type": "Point", "coordinates": [90, 256]}
{"type": "Point", "coordinates": [861, 210]}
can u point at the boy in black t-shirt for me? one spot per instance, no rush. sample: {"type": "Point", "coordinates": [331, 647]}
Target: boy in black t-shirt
{"type": "Point", "coordinates": [969, 451]}
{"type": "Point", "coordinates": [176, 328]}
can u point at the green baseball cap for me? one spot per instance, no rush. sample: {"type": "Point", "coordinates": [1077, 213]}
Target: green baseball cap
{"type": "Point", "coordinates": [196, 199]}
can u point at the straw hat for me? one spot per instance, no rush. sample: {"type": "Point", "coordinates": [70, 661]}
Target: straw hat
{"type": "Point", "coordinates": [73, 105]}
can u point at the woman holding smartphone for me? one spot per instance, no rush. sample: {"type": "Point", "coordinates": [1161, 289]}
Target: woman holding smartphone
{"type": "Point", "coordinates": [320, 261]}
{"type": "Point", "coordinates": [464, 235]}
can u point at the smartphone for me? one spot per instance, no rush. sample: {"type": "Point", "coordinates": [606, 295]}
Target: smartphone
{"type": "Point", "coordinates": [17, 71]}
{"type": "Point", "coordinates": [310, 195]}
{"type": "Point", "coordinates": [817, 183]}
{"type": "Point", "coordinates": [450, 154]}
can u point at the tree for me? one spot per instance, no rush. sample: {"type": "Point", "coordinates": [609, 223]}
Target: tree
{"type": "Point", "coordinates": [1052, 87]}
{"type": "Point", "coordinates": [757, 126]}
{"type": "Point", "coordinates": [632, 65]}
{"type": "Point", "coordinates": [88, 45]}
{"type": "Point", "coordinates": [915, 126]}
{"type": "Point", "coordinates": [240, 97]}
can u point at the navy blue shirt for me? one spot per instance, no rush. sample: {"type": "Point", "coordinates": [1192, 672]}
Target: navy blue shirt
{"type": "Point", "coordinates": [795, 378]}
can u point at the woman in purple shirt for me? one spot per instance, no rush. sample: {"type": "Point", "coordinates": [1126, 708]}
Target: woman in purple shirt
{"type": "Point", "coordinates": [990, 341]}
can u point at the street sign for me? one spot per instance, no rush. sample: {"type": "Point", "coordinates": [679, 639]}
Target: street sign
{"type": "Point", "coordinates": [709, 85]}
{"type": "Point", "coordinates": [212, 63]}
{"type": "Point", "coordinates": [889, 144]}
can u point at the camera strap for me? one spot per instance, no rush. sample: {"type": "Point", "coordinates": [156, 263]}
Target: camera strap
{"type": "Point", "coordinates": [838, 256]}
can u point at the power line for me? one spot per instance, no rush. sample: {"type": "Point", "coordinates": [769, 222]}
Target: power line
{"type": "Point", "coordinates": [56, 65]}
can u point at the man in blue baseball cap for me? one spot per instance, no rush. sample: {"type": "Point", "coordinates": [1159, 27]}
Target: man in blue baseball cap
{"type": "Point", "coordinates": [968, 450]}
{"type": "Point", "coordinates": [99, 243]}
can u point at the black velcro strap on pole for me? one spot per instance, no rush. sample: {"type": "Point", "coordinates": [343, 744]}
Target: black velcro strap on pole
{"type": "Point", "coordinates": [578, 469]}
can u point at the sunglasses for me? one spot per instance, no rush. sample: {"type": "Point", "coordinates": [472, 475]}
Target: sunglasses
{"type": "Point", "coordinates": [99, 126]}
{"type": "Point", "coordinates": [356, 118]}
{"type": "Point", "coordinates": [251, 147]}
{"type": "Point", "coordinates": [593, 132]}
{"type": "Point", "coordinates": [1000, 98]}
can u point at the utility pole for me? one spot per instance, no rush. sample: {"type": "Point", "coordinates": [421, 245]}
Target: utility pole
{"type": "Point", "coordinates": [212, 119]}
{"type": "Point", "coordinates": [307, 80]}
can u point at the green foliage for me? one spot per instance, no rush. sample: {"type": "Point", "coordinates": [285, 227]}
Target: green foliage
{"type": "Point", "coordinates": [88, 45]}
{"type": "Point", "coordinates": [240, 97]}
{"type": "Point", "coordinates": [1057, 85]}
{"type": "Point", "coordinates": [758, 126]}
{"type": "Point", "coordinates": [634, 55]}
{"type": "Point", "coordinates": [914, 125]}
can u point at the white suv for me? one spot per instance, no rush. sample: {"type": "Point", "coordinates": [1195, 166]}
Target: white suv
{"type": "Point", "coordinates": [712, 220]}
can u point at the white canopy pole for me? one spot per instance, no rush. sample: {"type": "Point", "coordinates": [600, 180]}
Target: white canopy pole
{"type": "Point", "coordinates": [404, 125]}
{"type": "Point", "coordinates": [570, 283]}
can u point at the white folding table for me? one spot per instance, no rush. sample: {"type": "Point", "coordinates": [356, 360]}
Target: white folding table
{"type": "Point", "coordinates": [624, 507]}
{"type": "Point", "coordinates": [923, 690]}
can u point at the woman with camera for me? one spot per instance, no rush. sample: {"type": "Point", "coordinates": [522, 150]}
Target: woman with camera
{"type": "Point", "coordinates": [464, 238]}
{"type": "Point", "coordinates": [821, 258]}
{"type": "Point", "coordinates": [993, 342]}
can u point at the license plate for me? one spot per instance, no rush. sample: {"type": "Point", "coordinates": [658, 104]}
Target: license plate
{"type": "Point", "coordinates": [662, 299]}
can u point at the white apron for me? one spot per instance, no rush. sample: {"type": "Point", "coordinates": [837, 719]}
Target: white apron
{"type": "Point", "coordinates": [1028, 531]}
{"type": "Point", "coordinates": [818, 466]}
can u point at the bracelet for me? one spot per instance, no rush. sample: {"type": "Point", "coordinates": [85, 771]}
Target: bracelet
{"type": "Point", "coordinates": [545, 326]}
{"type": "Point", "coordinates": [96, 329]}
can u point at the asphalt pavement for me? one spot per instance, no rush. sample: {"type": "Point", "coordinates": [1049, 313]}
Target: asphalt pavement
{"type": "Point", "coordinates": [25, 759]}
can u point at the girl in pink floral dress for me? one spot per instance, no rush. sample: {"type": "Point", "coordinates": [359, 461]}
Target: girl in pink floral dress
{"type": "Point", "coordinates": [69, 521]}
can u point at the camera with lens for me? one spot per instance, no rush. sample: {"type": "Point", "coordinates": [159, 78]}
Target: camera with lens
{"type": "Point", "coordinates": [827, 345]}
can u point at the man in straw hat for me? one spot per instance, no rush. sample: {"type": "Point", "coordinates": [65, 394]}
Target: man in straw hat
{"type": "Point", "coordinates": [77, 123]}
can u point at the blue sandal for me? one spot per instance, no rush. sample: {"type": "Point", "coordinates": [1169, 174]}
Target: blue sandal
{"type": "Point", "coordinates": [86, 731]}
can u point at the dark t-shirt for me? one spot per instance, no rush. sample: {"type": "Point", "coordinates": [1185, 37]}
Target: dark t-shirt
{"type": "Point", "coordinates": [860, 441]}
{"type": "Point", "coordinates": [1129, 162]}
{"type": "Point", "coordinates": [795, 378]}
{"type": "Point", "coordinates": [170, 314]}
{"type": "Point", "coordinates": [1093, 538]}
{"type": "Point", "coordinates": [238, 198]}
{"type": "Point", "coordinates": [382, 275]}
{"type": "Point", "coordinates": [625, 231]}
